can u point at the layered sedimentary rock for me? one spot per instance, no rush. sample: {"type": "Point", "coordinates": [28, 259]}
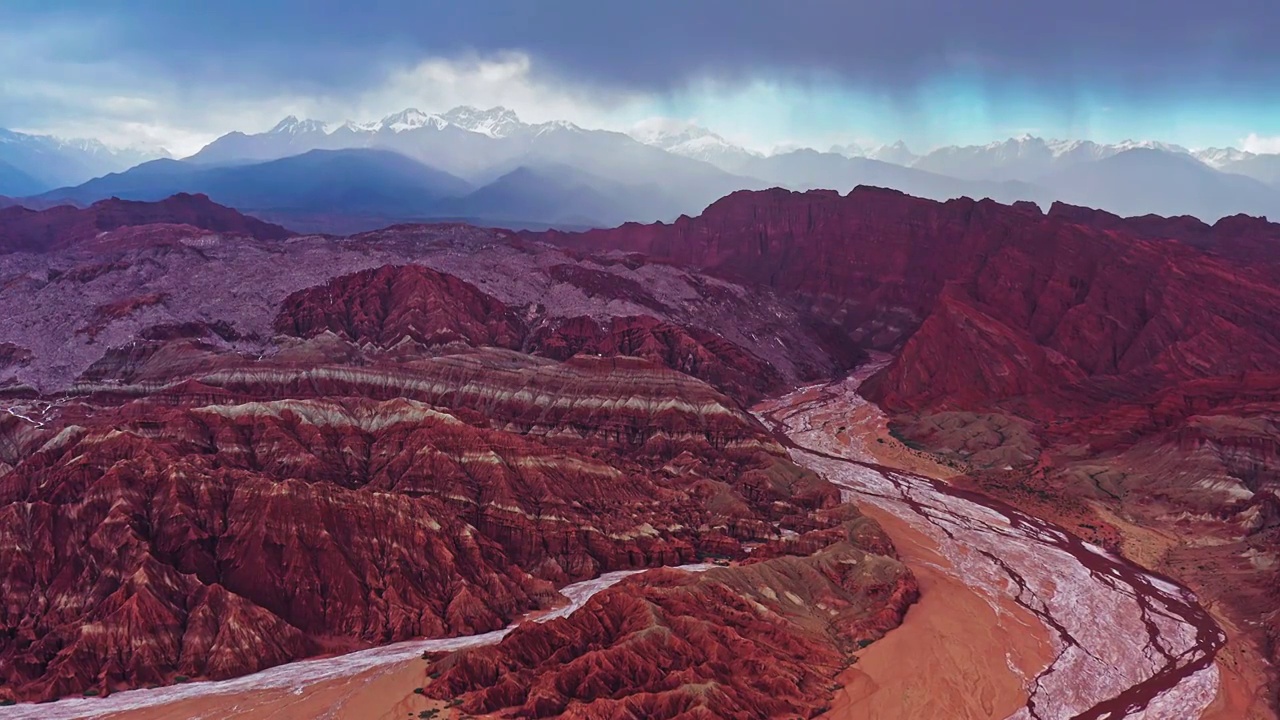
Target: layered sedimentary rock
{"type": "Point", "coordinates": [398, 306]}
{"type": "Point", "coordinates": [692, 350]}
{"type": "Point", "coordinates": [297, 508]}
{"type": "Point", "coordinates": [760, 640]}
{"type": "Point", "coordinates": [1070, 361]}
{"type": "Point", "coordinates": [391, 304]}
{"type": "Point", "coordinates": [228, 447]}
{"type": "Point", "coordinates": [388, 454]}
{"type": "Point", "coordinates": [57, 228]}
{"type": "Point", "coordinates": [115, 289]}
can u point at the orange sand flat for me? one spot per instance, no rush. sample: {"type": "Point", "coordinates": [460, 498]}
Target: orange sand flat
{"type": "Point", "coordinates": [384, 693]}
{"type": "Point", "coordinates": [952, 655]}
{"type": "Point", "coordinates": [871, 427]}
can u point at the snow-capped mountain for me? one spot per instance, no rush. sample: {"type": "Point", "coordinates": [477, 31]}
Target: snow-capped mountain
{"type": "Point", "coordinates": [481, 146]}
{"type": "Point", "coordinates": [443, 139]}
{"type": "Point", "coordinates": [1154, 180]}
{"type": "Point", "coordinates": [49, 162]}
{"type": "Point", "coordinates": [291, 125]}
{"type": "Point", "coordinates": [898, 153]}
{"type": "Point", "coordinates": [693, 141]}
{"type": "Point", "coordinates": [494, 122]}
{"type": "Point", "coordinates": [403, 121]}
{"type": "Point", "coordinates": [679, 166]}
{"type": "Point", "coordinates": [1027, 157]}
{"type": "Point", "coordinates": [1221, 158]}
{"type": "Point", "coordinates": [1261, 167]}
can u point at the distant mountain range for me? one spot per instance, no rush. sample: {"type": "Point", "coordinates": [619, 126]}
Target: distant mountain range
{"type": "Point", "coordinates": [490, 167]}
{"type": "Point", "coordinates": [31, 164]}
{"type": "Point", "coordinates": [14, 181]}
{"type": "Point", "coordinates": [1025, 158]}
{"type": "Point", "coordinates": [1129, 178]}
{"type": "Point", "coordinates": [360, 189]}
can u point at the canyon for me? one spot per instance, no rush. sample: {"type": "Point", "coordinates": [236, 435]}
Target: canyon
{"type": "Point", "coordinates": [234, 449]}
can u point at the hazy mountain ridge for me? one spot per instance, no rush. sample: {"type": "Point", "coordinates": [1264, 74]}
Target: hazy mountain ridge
{"type": "Point", "coordinates": [559, 174]}
{"type": "Point", "coordinates": [480, 146]}
{"type": "Point", "coordinates": [47, 162]}
{"type": "Point", "coordinates": [1150, 176]}
{"type": "Point", "coordinates": [369, 188]}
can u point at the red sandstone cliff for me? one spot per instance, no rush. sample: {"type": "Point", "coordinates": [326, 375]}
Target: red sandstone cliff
{"type": "Point", "coordinates": [1068, 358]}
{"type": "Point", "coordinates": [412, 457]}
{"type": "Point", "coordinates": [63, 226]}
{"type": "Point", "coordinates": [760, 640]}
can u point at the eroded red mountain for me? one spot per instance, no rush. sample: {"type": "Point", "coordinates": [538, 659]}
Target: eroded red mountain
{"type": "Point", "coordinates": [254, 472]}
{"type": "Point", "coordinates": [725, 643]}
{"type": "Point", "coordinates": [60, 227]}
{"type": "Point", "coordinates": [533, 414]}
{"type": "Point", "coordinates": [1078, 363]}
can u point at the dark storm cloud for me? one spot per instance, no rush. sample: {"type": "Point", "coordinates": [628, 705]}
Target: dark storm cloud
{"type": "Point", "coordinates": [1140, 47]}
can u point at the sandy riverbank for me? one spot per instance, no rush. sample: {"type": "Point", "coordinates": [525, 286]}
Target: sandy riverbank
{"type": "Point", "coordinates": [954, 656]}
{"type": "Point", "coordinates": [1151, 657]}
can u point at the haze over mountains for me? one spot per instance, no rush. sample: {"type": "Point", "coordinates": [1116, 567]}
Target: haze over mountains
{"type": "Point", "coordinates": [489, 166]}
{"type": "Point", "coordinates": [31, 164]}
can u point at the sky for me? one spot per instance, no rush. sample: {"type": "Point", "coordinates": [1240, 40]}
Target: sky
{"type": "Point", "coordinates": [806, 72]}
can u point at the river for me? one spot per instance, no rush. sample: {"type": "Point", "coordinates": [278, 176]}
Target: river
{"type": "Point", "coordinates": [1127, 643]}
{"type": "Point", "coordinates": [297, 676]}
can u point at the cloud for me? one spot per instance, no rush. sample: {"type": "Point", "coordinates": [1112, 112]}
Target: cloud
{"type": "Point", "coordinates": [115, 103]}
{"type": "Point", "coordinates": [508, 78]}
{"type": "Point", "coordinates": [759, 73]}
{"type": "Point", "coordinates": [1256, 143]}
{"type": "Point", "coordinates": [1141, 47]}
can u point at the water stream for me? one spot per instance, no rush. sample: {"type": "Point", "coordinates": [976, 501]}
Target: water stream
{"type": "Point", "coordinates": [1128, 643]}
{"type": "Point", "coordinates": [297, 676]}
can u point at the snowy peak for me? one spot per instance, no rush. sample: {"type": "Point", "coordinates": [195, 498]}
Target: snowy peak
{"type": "Point", "coordinates": [1220, 158]}
{"type": "Point", "coordinates": [690, 140]}
{"type": "Point", "coordinates": [554, 126]}
{"type": "Point", "coordinates": [291, 125]}
{"type": "Point", "coordinates": [85, 146]}
{"type": "Point", "coordinates": [667, 133]}
{"type": "Point", "coordinates": [1150, 145]}
{"type": "Point", "coordinates": [55, 162]}
{"type": "Point", "coordinates": [410, 119]}
{"type": "Point", "coordinates": [494, 122]}
{"type": "Point", "coordinates": [355, 127]}
{"type": "Point", "coordinates": [898, 153]}
{"type": "Point", "coordinates": [850, 150]}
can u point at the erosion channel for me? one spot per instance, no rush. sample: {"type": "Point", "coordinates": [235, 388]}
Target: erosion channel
{"type": "Point", "coordinates": [1018, 618]}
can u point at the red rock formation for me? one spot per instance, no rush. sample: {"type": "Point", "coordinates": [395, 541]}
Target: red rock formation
{"type": "Point", "coordinates": [1066, 356]}
{"type": "Point", "coordinates": [387, 305]}
{"type": "Point", "coordinates": [189, 511]}
{"type": "Point", "coordinates": [879, 261]}
{"type": "Point", "coordinates": [690, 350]}
{"type": "Point", "coordinates": [1238, 237]}
{"type": "Point", "coordinates": [760, 640]}
{"type": "Point", "coordinates": [203, 472]}
{"type": "Point", "coordinates": [411, 456]}
{"type": "Point", "coordinates": [412, 304]}
{"type": "Point", "coordinates": [63, 226]}
{"type": "Point", "coordinates": [993, 303]}
{"type": "Point", "coordinates": [246, 500]}
{"type": "Point", "coordinates": [596, 283]}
